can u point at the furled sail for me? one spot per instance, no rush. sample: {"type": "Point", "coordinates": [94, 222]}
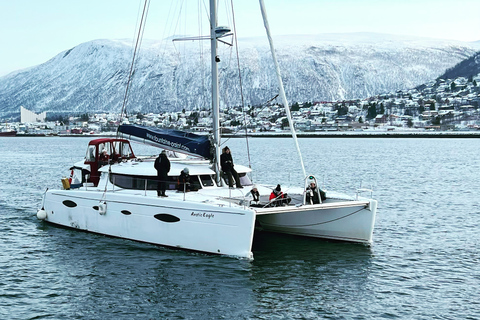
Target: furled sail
{"type": "Point", "coordinates": [175, 140]}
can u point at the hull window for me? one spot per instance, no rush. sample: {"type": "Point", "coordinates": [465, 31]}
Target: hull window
{"type": "Point", "coordinates": [166, 217]}
{"type": "Point", "coordinates": [69, 203]}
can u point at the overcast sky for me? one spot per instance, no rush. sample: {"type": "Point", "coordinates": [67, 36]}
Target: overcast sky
{"type": "Point", "coordinates": [33, 31]}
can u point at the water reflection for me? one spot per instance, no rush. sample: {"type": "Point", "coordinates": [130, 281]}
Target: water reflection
{"type": "Point", "coordinates": [290, 271]}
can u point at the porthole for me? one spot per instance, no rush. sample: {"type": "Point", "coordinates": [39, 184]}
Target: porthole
{"type": "Point", "coordinates": [166, 217]}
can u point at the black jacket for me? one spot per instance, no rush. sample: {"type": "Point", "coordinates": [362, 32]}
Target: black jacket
{"type": "Point", "coordinates": [162, 164]}
{"type": "Point", "coordinates": [226, 162]}
{"type": "Point", "coordinates": [312, 194]}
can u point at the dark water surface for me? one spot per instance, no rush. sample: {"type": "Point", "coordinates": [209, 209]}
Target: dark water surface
{"type": "Point", "coordinates": [423, 264]}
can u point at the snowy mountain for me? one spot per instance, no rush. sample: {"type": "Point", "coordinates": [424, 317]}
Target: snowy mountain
{"type": "Point", "coordinates": [92, 76]}
{"type": "Point", "coordinates": [466, 68]}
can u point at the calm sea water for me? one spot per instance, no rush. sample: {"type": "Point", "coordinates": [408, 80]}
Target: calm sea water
{"type": "Point", "coordinates": [424, 262]}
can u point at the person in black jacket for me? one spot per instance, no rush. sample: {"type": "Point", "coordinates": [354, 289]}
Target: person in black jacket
{"type": "Point", "coordinates": [226, 162]}
{"type": "Point", "coordinates": [162, 164]}
{"type": "Point", "coordinates": [312, 194]}
{"type": "Point", "coordinates": [183, 182]}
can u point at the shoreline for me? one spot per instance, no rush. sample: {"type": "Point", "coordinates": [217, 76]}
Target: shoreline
{"type": "Point", "coordinates": [353, 134]}
{"type": "Point", "coordinates": [346, 134]}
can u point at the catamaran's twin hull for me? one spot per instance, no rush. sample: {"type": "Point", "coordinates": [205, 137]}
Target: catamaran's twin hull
{"type": "Point", "coordinates": [181, 224]}
{"type": "Point", "coordinates": [204, 227]}
{"type": "Point", "coordinates": [351, 221]}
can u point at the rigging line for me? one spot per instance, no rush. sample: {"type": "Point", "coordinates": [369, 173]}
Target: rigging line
{"type": "Point", "coordinates": [264, 106]}
{"type": "Point", "coordinates": [241, 84]}
{"type": "Point", "coordinates": [141, 37]}
{"type": "Point", "coordinates": [201, 49]}
{"type": "Point", "coordinates": [136, 26]}
{"type": "Point", "coordinates": [142, 21]}
{"type": "Point", "coordinates": [246, 124]}
{"type": "Point", "coordinates": [179, 15]}
{"type": "Point", "coordinates": [280, 83]}
{"type": "Point", "coordinates": [173, 28]}
{"type": "Point", "coordinates": [104, 194]}
{"type": "Point", "coordinates": [163, 46]}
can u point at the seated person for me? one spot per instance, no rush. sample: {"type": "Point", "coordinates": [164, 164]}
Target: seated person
{"type": "Point", "coordinates": [116, 157]}
{"type": "Point", "coordinates": [276, 193]}
{"type": "Point", "coordinates": [253, 197]}
{"type": "Point", "coordinates": [103, 158]}
{"type": "Point", "coordinates": [183, 182]}
{"type": "Point", "coordinates": [312, 194]}
{"type": "Point", "coordinates": [227, 166]}
{"type": "Point", "coordinates": [277, 197]}
{"type": "Point", "coordinates": [255, 194]}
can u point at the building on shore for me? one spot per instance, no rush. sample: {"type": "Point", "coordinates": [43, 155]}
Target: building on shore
{"type": "Point", "coordinates": [27, 116]}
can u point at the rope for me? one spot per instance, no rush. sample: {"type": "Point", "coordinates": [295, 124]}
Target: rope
{"type": "Point", "coordinates": [247, 123]}
{"type": "Point", "coordinates": [241, 86]}
{"type": "Point", "coordinates": [135, 51]}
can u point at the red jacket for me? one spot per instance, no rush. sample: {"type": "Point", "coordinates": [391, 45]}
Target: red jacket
{"type": "Point", "coordinates": [277, 196]}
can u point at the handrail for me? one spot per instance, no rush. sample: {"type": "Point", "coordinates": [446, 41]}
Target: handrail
{"type": "Point", "coordinates": [361, 190]}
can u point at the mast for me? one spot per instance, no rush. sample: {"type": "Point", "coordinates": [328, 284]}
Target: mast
{"type": "Point", "coordinates": [215, 97]}
{"type": "Point", "coordinates": [280, 84]}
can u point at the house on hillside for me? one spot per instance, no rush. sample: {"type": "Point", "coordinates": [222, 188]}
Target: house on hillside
{"type": "Point", "coordinates": [381, 119]}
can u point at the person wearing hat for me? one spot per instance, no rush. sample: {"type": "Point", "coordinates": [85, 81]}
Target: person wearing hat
{"type": "Point", "coordinates": [255, 193]}
{"type": "Point", "coordinates": [162, 164]}
{"type": "Point", "coordinates": [226, 163]}
{"type": "Point", "coordinates": [312, 194]}
{"type": "Point", "coordinates": [183, 183]}
{"type": "Point", "coordinates": [276, 193]}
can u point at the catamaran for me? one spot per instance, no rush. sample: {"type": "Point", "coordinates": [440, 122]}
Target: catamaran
{"type": "Point", "coordinates": [117, 196]}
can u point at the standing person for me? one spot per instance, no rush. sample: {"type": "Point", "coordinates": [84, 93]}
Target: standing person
{"type": "Point", "coordinates": [226, 162]}
{"type": "Point", "coordinates": [162, 164]}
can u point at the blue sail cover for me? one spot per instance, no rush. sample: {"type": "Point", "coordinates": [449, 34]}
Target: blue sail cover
{"type": "Point", "coordinates": [175, 140]}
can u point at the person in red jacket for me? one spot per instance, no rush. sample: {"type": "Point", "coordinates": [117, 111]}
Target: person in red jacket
{"type": "Point", "coordinates": [276, 193]}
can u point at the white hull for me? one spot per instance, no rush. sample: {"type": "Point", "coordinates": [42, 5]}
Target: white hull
{"type": "Point", "coordinates": [351, 221]}
{"type": "Point", "coordinates": [212, 226]}
{"type": "Point", "coordinates": [182, 224]}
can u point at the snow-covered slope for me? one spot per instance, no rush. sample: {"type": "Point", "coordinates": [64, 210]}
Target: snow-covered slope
{"type": "Point", "coordinates": [467, 68]}
{"type": "Point", "coordinates": [92, 76]}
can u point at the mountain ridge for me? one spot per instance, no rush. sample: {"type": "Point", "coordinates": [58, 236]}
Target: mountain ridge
{"type": "Point", "coordinates": [92, 76]}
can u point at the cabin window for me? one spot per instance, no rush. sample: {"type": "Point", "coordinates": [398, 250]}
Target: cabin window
{"type": "Point", "coordinates": [102, 147]}
{"type": "Point", "coordinates": [90, 156]}
{"type": "Point", "coordinates": [123, 149]}
{"type": "Point", "coordinates": [132, 182]}
{"type": "Point", "coordinates": [207, 180]}
{"type": "Point", "coordinates": [244, 179]}
{"type": "Point", "coordinates": [138, 182]}
{"type": "Point", "coordinates": [195, 183]}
